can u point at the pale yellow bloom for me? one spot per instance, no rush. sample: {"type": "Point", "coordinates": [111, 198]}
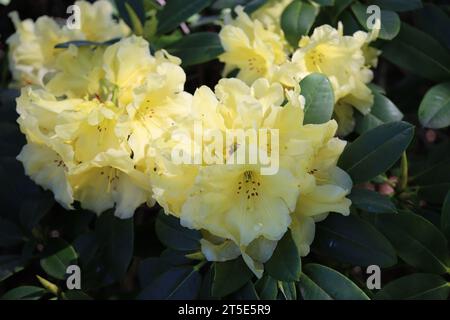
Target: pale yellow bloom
{"type": "Point", "coordinates": [32, 52]}
{"type": "Point", "coordinates": [245, 211]}
{"type": "Point", "coordinates": [342, 59]}
{"type": "Point", "coordinates": [270, 14]}
{"type": "Point", "coordinates": [254, 49]}
{"type": "Point", "coordinates": [31, 48]}
{"type": "Point", "coordinates": [94, 120]}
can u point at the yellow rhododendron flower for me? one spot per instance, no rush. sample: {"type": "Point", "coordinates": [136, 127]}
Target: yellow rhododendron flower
{"type": "Point", "coordinates": [32, 52]}
{"type": "Point", "coordinates": [256, 50]}
{"type": "Point", "coordinates": [245, 211]}
{"type": "Point", "coordinates": [270, 14]}
{"type": "Point", "coordinates": [94, 121]}
{"type": "Point", "coordinates": [341, 58]}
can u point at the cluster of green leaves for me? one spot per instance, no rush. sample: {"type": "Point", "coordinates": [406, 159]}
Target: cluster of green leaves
{"type": "Point", "coordinates": [407, 239]}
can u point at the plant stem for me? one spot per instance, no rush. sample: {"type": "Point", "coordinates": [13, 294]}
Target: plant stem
{"type": "Point", "coordinates": [404, 173]}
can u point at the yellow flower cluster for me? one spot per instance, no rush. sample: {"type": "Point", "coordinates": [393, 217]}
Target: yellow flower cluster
{"type": "Point", "coordinates": [258, 49]}
{"type": "Point", "coordinates": [89, 130]}
{"type": "Point", "coordinates": [243, 211]}
{"type": "Point", "coordinates": [32, 50]}
{"type": "Point", "coordinates": [103, 125]}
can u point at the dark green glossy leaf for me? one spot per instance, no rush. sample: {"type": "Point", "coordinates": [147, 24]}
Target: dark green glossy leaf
{"type": "Point", "coordinates": [311, 290]}
{"type": "Point", "coordinates": [418, 53]}
{"type": "Point", "coordinates": [398, 5]}
{"type": "Point", "coordinates": [178, 11]}
{"type": "Point", "coordinates": [9, 265]}
{"type": "Point", "coordinates": [285, 263]}
{"type": "Point", "coordinates": [319, 98]}
{"type": "Point", "coordinates": [376, 150]}
{"type": "Point", "coordinates": [24, 293]}
{"type": "Point", "coordinates": [371, 201]}
{"type": "Point", "coordinates": [390, 21]}
{"type": "Point", "coordinates": [247, 292]}
{"type": "Point", "coordinates": [326, 2]}
{"type": "Point", "coordinates": [85, 43]}
{"type": "Point", "coordinates": [223, 283]}
{"type": "Point", "coordinates": [174, 236]}
{"type": "Point", "coordinates": [58, 256]}
{"type": "Point", "coordinates": [445, 216]}
{"type": "Point", "coordinates": [267, 288]}
{"type": "Point", "coordinates": [179, 283]}
{"type": "Point", "coordinates": [419, 286]}
{"type": "Point", "coordinates": [196, 48]}
{"type": "Point", "coordinates": [150, 269]}
{"type": "Point", "coordinates": [323, 283]}
{"type": "Point", "coordinates": [288, 290]}
{"type": "Point", "coordinates": [206, 287]}
{"type": "Point", "coordinates": [382, 111]}
{"type": "Point", "coordinates": [131, 11]}
{"type": "Point", "coordinates": [434, 21]}
{"type": "Point", "coordinates": [417, 241]}
{"type": "Point", "coordinates": [434, 110]}
{"type": "Point", "coordinates": [353, 240]}
{"type": "Point", "coordinates": [254, 5]}
{"type": "Point", "coordinates": [115, 238]}
{"type": "Point", "coordinates": [296, 21]}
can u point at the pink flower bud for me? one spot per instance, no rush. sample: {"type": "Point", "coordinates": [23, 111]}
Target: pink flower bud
{"type": "Point", "coordinates": [386, 189]}
{"type": "Point", "coordinates": [430, 136]}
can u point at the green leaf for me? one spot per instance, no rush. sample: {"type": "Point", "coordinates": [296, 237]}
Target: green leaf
{"type": "Point", "coordinates": [434, 110]}
{"type": "Point", "coordinates": [196, 48]}
{"type": "Point", "coordinates": [247, 292]}
{"type": "Point", "coordinates": [85, 43]}
{"type": "Point", "coordinates": [254, 5]}
{"type": "Point", "coordinates": [433, 180]}
{"type": "Point", "coordinates": [434, 21]}
{"type": "Point", "coordinates": [390, 21]}
{"type": "Point", "coordinates": [382, 111]}
{"type": "Point", "coordinates": [24, 293]}
{"type": "Point", "coordinates": [224, 283]}
{"type": "Point", "coordinates": [179, 283]}
{"type": "Point", "coordinates": [132, 12]}
{"type": "Point", "coordinates": [206, 287]}
{"type": "Point", "coordinates": [288, 290]}
{"type": "Point", "coordinates": [398, 5]}
{"type": "Point", "coordinates": [178, 11]}
{"type": "Point", "coordinates": [418, 53]}
{"type": "Point", "coordinates": [296, 21]}
{"type": "Point", "coordinates": [9, 265]}
{"type": "Point", "coordinates": [445, 216]}
{"type": "Point", "coordinates": [135, 24]}
{"type": "Point", "coordinates": [267, 288]}
{"type": "Point", "coordinates": [115, 238]}
{"type": "Point", "coordinates": [323, 283]}
{"type": "Point", "coordinates": [58, 256]}
{"type": "Point", "coordinates": [417, 241]}
{"type": "Point", "coordinates": [310, 290]}
{"type": "Point", "coordinates": [371, 201]}
{"type": "Point", "coordinates": [419, 286]}
{"type": "Point", "coordinates": [10, 233]}
{"type": "Point", "coordinates": [375, 151]}
{"type": "Point", "coordinates": [285, 263]}
{"type": "Point", "coordinates": [326, 2]}
{"type": "Point", "coordinates": [354, 241]}
{"type": "Point", "coordinates": [150, 269]}
{"type": "Point", "coordinates": [173, 235]}
{"type": "Point", "coordinates": [319, 98]}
